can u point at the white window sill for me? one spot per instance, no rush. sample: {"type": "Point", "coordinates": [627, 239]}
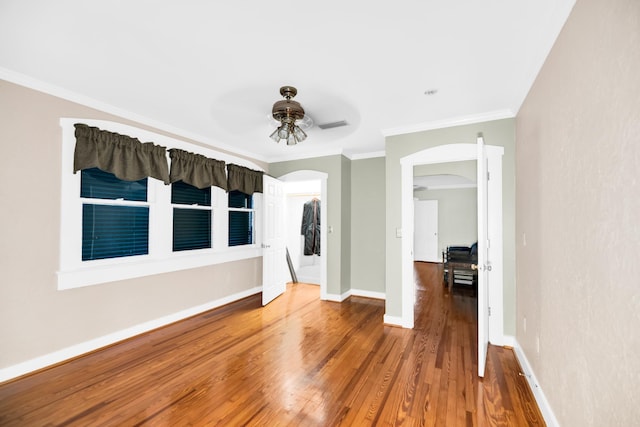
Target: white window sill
{"type": "Point", "coordinates": [146, 266]}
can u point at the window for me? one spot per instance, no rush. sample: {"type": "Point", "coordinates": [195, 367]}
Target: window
{"type": "Point", "coordinates": [192, 225]}
{"type": "Point", "coordinates": [115, 216]}
{"type": "Point", "coordinates": [241, 215]}
{"type": "Point", "coordinates": [112, 229]}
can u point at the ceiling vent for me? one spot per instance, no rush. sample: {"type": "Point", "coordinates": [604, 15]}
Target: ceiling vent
{"type": "Point", "coordinates": [333, 124]}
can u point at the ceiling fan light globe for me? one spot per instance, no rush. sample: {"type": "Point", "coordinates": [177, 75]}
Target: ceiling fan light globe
{"type": "Point", "coordinates": [275, 136]}
{"type": "Point", "coordinates": [299, 134]}
{"type": "Point", "coordinates": [283, 132]}
{"type": "Point", "coordinates": [292, 139]}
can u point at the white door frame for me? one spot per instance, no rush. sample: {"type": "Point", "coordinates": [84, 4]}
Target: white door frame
{"type": "Point", "coordinates": [445, 154]}
{"type": "Point", "coordinates": [311, 175]}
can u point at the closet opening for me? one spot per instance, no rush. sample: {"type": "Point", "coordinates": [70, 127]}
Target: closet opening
{"type": "Point", "coordinates": [305, 227]}
{"type": "Point", "coordinates": [303, 209]}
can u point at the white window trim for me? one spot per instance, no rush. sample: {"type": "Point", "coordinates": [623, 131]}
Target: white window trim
{"type": "Point", "coordinates": [75, 273]}
{"type": "Point", "coordinates": [255, 221]}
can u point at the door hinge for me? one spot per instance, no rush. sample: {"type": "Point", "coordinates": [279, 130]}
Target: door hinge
{"type": "Point", "coordinates": [489, 311]}
{"type": "Point", "coordinates": [488, 176]}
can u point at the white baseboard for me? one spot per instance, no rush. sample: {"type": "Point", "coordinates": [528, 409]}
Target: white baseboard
{"type": "Point", "coordinates": [368, 294]}
{"type": "Point", "coordinates": [541, 400]}
{"type": "Point", "coordinates": [338, 297]}
{"type": "Point", "coordinates": [356, 293]}
{"type": "Point", "coordinates": [503, 341]}
{"type": "Point", "coordinates": [105, 340]}
{"type": "Point", "coordinates": [332, 298]}
{"type": "Point", "coordinates": [393, 320]}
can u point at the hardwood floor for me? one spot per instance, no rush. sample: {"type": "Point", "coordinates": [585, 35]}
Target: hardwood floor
{"type": "Point", "coordinates": [299, 362]}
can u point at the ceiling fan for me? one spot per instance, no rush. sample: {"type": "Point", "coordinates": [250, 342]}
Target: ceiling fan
{"type": "Point", "coordinates": [290, 117]}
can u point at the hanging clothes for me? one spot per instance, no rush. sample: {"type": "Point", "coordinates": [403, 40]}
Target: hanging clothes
{"type": "Point", "coordinates": [311, 227]}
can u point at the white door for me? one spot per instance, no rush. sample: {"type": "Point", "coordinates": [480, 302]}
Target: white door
{"type": "Point", "coordinates": [483, 297]}
{"type": "Point", "coordinates": [425, 231]}
{"type": "Point", "coordinates": [273, 242]}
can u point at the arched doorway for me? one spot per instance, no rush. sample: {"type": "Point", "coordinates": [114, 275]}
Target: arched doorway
{"type": "Point", "coordinates": [493, 299]}
{"type": "Point", "coordinates": [321, 177]}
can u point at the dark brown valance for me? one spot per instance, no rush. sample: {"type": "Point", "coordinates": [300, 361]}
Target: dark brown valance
{"type": "Point", "coordinates": [125, 157]}
{"type": "Point", "coordinates": [244, 179]}
{"type": "Point", "coordinates": [197, 170]}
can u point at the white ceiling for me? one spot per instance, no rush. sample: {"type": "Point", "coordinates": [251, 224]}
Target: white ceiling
{"type": "Point", "coordinates": [211, 70]}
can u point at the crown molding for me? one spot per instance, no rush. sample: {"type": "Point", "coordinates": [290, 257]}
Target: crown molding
{"type": "Point", "coordinates": [441, 124]}
{"type": "Point", "coordinates": [356, 156]}
{"type": "Point", "coordinates": [303, 156]}
{"type": "Point", "coordinates": [370, 155]}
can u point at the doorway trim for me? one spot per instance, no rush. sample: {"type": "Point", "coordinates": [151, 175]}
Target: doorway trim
{"type": "Point", "coordinates": [446, 154]}
{"type": "Point", "coordinates": [311, 175]}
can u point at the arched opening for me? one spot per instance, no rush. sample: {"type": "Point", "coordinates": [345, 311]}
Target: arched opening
{"type": "Point", "coordinates": [445, 154]}
{"type": "Point", "coordinates": [309, 184]}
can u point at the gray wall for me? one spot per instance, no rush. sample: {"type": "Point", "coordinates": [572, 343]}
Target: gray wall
{"type": "Point", "coordinates": [578, 205]}
{"type": "Point", "coordinates": [367, 224]}
{"type": "Point", "coordinates": [35, 318]}
{"type": "Point", "coordinates": [345, 272]}
{"type": "Point", "coordinates": [498, 132]}
{"type": "Point", "coordinates": [355, 210]}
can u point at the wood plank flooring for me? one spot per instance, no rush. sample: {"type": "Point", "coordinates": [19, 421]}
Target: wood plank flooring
{"type": "Point", "coordinates": [297, 362]}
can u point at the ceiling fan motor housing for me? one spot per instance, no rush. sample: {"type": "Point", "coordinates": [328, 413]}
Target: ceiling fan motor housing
{"type": "Point", "coordinates": [287, 109]}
